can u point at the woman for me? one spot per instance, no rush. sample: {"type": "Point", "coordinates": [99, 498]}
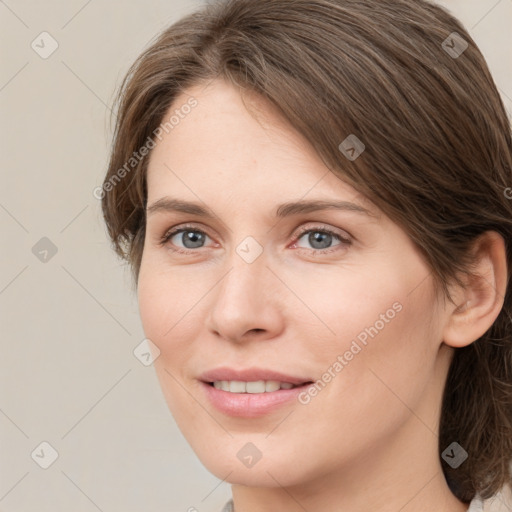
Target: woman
{"type": "Point", "coordinates": [314, 197]}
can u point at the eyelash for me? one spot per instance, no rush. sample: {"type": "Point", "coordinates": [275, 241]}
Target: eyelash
{"type": "Point", "coordinates": [344, 241]}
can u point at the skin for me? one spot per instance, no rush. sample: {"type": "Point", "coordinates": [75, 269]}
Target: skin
{"type": "Point", "coordinates": [368, 440]}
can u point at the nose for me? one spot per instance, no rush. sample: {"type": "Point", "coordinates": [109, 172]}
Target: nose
{"type": "Point", "coordinates": [247, 302]}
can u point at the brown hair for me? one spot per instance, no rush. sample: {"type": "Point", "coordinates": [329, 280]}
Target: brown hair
{"type": "Point", "coordinates": [437, 156]}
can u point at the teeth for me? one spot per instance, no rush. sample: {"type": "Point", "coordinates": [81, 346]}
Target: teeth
{"type": "Point", "coordinates": [259, 386]}
{"type": "Point", "coordinates": [272, 385]}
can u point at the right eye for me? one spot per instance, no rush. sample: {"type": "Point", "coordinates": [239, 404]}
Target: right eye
{"type": "Point", "coordinates": [191, 238]}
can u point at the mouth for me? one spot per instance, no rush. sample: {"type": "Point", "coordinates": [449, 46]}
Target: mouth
{"type": "Point", "coordinates": [254, 387]}
{"type": "Point", "coordinates": [251, 393]}
{"type": "Point", "coordinates": [234, 380]}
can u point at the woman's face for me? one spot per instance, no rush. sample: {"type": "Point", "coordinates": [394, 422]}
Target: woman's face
{"type": "Point", "coordinates": [259, 292]}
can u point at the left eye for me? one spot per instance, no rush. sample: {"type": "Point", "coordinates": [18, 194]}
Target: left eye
{"type": "Point", "coordinates": [322, 238]}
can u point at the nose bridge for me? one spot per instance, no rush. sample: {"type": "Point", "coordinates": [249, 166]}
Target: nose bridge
{"type": "Point", "coordinates": [242, 300]}
{"type": "Point", "coordinates": [247, 271]}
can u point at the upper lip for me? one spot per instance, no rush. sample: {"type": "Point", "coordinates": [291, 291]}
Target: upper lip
{"type": "Point", "coordinates": [249, 375]}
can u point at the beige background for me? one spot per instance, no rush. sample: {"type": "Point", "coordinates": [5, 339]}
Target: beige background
{"type": "Point", "coordinates": [68, 375]}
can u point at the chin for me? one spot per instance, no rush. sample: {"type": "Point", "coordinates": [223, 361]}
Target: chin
{"type": "Point", "coordinates": [234, 465]}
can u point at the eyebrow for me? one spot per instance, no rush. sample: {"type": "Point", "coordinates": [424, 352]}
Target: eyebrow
{"type": "Point", "coordinates": [169, 204]}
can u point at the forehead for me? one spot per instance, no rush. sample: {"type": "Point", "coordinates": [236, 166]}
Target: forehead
{"type": "Point", "coordinates": [235, 144]}
{"type": "Point", "coordinates": [229, 124]}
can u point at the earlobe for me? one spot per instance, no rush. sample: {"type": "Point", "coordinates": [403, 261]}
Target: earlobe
{"type": "Point", "coordinates": [480, 302]}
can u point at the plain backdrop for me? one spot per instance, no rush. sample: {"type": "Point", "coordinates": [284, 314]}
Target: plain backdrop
{"type": "Point", "coordinates": [69, 317]}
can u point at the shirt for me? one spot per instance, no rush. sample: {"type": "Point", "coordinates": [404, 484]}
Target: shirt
{"type": "Point", "coordinates": [228, 507]}
{"type": "Point", "coordinates": [477, 505]}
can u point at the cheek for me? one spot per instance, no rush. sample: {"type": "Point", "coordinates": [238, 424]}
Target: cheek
{"type": "Point", "coordinates": [350, 309]}
{"type": "Point", "coordinates": [375, 326]}
{"type": "Point", "coordinates": [164, 300]}
{"type": "Point", "coordinates": [360, 399]}
{"type": "Point", "coordinates": [163, 305]}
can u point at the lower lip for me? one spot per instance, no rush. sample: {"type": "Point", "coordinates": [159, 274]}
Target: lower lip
{"type": "Point", "coordinates": [250, 405]}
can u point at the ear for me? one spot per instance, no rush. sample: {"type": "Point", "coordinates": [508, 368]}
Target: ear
{"type": "Point", "coordinates": [478, 304]}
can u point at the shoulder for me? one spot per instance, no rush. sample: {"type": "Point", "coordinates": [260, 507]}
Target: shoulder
{"type": "Point", "coordinates": [228, 507]}
{"type": "Point", "coordinates": [500, 502]}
